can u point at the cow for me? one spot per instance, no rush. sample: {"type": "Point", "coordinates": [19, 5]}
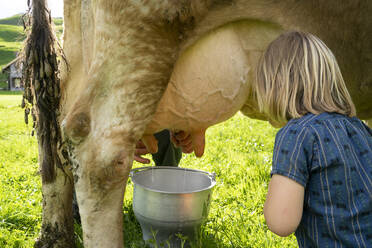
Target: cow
{"type": "Point", "coordinates": [118, 59]}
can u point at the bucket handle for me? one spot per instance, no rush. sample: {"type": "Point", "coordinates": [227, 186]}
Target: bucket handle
{"type": "Point", "coordinates": [212, 175]}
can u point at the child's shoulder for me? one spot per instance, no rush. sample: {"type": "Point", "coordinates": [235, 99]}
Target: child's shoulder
{"type": "Point", "coordinates": [326, 123]}
{"type": "Point", "coordinates": [325, 118]}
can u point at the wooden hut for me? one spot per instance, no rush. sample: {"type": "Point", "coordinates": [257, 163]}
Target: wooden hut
{"type": "Point", "coordinates": [14, 71]}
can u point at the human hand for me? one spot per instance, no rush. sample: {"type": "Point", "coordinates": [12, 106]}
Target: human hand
{"type": "Point", "coordinates": [183, 140]}
{"type": "Point", "coordinates": [139, 151]}
{"type": "Point", "coordinates": [190, 142]}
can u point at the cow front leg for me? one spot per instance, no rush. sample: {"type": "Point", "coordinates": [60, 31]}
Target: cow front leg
{"type": "Point", "coordinates": [57, 228]}
{"type": "Point", "coordinates": [100, 191]}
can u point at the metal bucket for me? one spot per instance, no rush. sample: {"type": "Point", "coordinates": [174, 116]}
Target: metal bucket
{"type": "Point", "coordinates": [169, 201]}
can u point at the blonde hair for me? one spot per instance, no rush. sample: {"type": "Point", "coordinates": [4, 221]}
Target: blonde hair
{"type": "Point", "coordinates": [299, 74]}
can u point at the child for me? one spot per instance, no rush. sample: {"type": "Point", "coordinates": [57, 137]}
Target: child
{"type": "Point", "coordinates": [321, 185]}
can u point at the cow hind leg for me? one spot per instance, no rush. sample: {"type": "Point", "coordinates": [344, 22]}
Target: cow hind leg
{"type": "Point", "coordinates": [42, 91]}
{"type": "Point", "coordinates": [57, 228]}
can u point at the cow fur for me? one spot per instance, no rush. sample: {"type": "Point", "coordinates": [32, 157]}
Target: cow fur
{"type": "Point", "coordinates": [121, 55]}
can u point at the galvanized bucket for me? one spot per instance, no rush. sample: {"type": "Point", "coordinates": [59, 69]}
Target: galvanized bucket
{"type": "Point", "coordinates": [170, 203]}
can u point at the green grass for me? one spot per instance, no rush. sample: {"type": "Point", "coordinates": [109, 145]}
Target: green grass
{"type": "Point", "coordinates": [239, 152]}
{"type": "Point", "coordinates": [11, 40]}
{"type": "Point", "coordinates": [58, 21]}
{"type": "Point", "coordinates": [3, 85]}
{"type": "Point", "coordinates": [16, 20]}
{"type": "Point", "coordinates": [20, 196]}
{"type": "Point", "coordinates": [13, 20]}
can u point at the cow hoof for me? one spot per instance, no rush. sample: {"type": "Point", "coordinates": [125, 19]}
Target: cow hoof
{"type": "Point", "coordinates": [43, 244]}
{"type": "Point", "coordinates": [53, 236]}
{"type": "Point", "coordinates": [54, 239]}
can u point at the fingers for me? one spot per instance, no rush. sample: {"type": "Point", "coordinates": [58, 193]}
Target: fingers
{"type": "Point", "coordinates": [181, 135]}
{"type": "Point", "coordinates": [187, 148]}
{"type": "Point", "coordinates": [181, 138]}
{"type": "Point", "coordinates": [141, 150]}
{"type": "Point", "coordinates": [173, 139]}
{"type": "Point", "coordinates": [141, 159]}
{"type": "Point", "coordinates": [140, 144]}
{"type": "Point", "coordinates": [190, 142]}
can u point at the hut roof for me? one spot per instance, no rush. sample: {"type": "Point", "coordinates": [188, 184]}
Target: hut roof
{"type": "Point", "coordinates": [9, 64]}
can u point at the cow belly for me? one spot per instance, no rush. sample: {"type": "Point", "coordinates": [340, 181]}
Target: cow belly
{"type": "Point", "coordinates": [212, 79]}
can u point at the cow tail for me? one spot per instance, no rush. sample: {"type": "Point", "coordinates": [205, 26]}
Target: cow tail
{"type": "Point", "coordinates": [40, 76]}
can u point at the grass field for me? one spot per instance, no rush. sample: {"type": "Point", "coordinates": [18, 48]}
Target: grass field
{"type": "Point", "coordinates": [11, 39]}
{"type": "Point", "coordinates": [238, 151]}
{"type": "Point", "coordinates": [13, 20]}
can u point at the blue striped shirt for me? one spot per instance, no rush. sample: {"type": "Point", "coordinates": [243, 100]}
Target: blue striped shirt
{"type": "Point", "coordinates": [331, 156]}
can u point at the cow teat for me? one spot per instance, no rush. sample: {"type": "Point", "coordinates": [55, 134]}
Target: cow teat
{"type": "Point", "coordinates": [151, 143]}
{"type": "Point", "coordinates": [76, 126]}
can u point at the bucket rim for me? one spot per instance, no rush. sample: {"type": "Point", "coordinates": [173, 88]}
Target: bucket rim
{"type": "Point", "coordinates": [212, 177]}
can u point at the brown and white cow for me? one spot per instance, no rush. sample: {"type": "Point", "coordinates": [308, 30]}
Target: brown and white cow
{"type": "Point", "coordinates": [121, 56]}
